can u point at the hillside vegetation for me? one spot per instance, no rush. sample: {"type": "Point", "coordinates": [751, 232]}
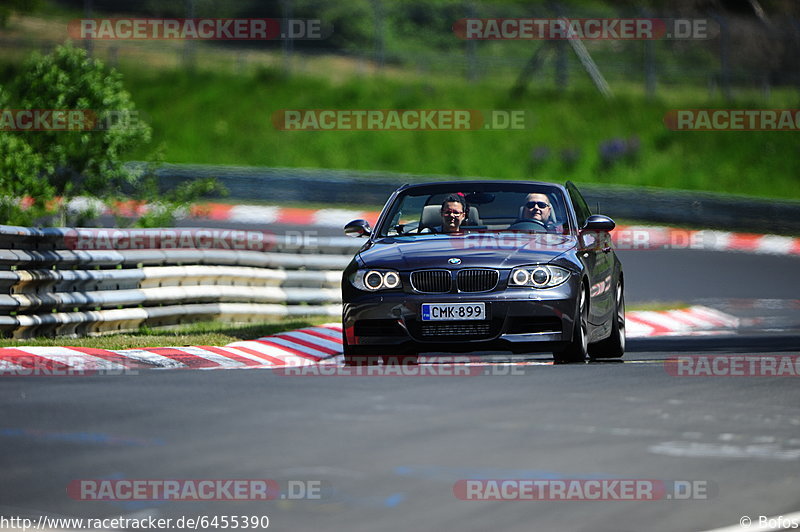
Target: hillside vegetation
{"type": "Point", "coordinates": [223, 119]}
{"type": "Point", "coordinates": [221, 111]}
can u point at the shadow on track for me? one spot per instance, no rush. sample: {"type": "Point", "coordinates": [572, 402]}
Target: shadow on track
{"type": "Point", "coordinates": [728, 343]}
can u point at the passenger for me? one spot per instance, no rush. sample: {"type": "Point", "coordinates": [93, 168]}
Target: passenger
{"type": "Point", "coordinates": [454, 212]}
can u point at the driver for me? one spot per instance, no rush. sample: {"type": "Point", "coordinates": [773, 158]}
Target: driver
{"type": "Point", "coordinates": [537, 207]}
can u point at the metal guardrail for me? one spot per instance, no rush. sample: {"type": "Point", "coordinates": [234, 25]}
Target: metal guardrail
{"type": "Point", "coordinates": [645, 204]}
{"type": "Point", "coordinates": [49, 288]}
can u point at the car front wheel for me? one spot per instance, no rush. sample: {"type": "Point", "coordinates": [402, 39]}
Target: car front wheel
{"type": "Point", "coordinates": [614, 345]}
{"type": "Point", "coordinates": [577, 349]}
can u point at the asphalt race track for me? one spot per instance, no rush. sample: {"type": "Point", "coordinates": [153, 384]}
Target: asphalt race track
{"type": "Point", "coordinates": [389, 450]}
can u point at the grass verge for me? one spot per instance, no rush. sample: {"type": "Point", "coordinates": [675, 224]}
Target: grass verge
{"type": "Point", "coordinates": [224, 118]}
{"type": "Point", "coordinates": [201, 333]}
{"type": "Point", "coordinates": [656, 306]}
{"type": "Point", "coordinates": [217, 333]}
{"type": "Point", "coordinates": [576, 135]}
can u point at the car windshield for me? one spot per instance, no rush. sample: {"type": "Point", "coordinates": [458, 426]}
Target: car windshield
{"type": "Point", "coordinates": [490, 207]}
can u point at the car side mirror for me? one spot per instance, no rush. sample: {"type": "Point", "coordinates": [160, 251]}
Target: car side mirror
{"type": "Point", "coordinates": [357, 228]}
{"type": "Point", "coordinates": [598, 222]}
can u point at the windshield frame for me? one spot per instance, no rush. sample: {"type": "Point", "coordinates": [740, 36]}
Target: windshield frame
{"type": "Point", "coordinates": [385, 221]}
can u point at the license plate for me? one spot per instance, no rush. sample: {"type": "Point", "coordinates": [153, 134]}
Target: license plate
{"type": "Point", "coordinates": [453, 311]}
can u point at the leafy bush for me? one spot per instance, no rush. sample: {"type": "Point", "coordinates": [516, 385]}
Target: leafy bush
{"type": "Point", "coordinates": [41, 171]}
{"type": "Point", "coordinates": [20, 168]}
{"type": "Point", "coordinates": [22, 6]}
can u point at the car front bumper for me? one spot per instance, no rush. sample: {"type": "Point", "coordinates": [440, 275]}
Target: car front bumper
{"type": "Point", "coordinates": [520, 320]}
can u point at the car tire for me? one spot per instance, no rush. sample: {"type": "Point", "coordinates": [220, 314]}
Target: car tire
{"type": "Point", "coordinates": [354, 356]}
{"type": "Point", "coordinates": [577, 349]}
{"type": "Point", "coordinates": [614, 345]}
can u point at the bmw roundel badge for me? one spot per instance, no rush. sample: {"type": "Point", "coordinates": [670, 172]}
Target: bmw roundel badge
{"type": "Point", "coordinates": [454, 260]}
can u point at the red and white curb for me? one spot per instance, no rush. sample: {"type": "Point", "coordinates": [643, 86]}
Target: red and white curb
{"type": "Point", "coordinates": [245, 214]}
{"type": "Point", "coordinates": [312, 345]}
{"type": "Point", "coordinates": [658, 237]}
{"type": "Point", "coordinates": [625, 236]}
{"type": "Point", "coordinates": [280, 215]}
{"type": "Point", "coordinates": [693, 321]}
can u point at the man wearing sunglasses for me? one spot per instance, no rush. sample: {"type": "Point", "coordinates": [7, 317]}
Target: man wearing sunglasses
{"type": "Point", "coordinates": [537, 207]}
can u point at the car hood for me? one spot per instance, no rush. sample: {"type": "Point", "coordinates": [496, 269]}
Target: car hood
{"type": "Point", "coordinates": [485, 250]}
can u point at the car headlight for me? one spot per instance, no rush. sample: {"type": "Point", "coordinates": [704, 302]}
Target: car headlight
{"type": "Point", "coordinates": [538, 276]}
{"type": "Point", "coordinates": [373, 280]}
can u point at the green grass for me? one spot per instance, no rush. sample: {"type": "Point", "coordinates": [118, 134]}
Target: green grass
{"type": "Point", "coordinates": [227, 120]}
{"type": "Point", "coordinates": [656, 306]}
{"type": "Point", "coordinates": [217, 333]}
{"type": "Point", "coordinates": [202, 333]}
{"type": "Point", "coordinates": [222, 114]}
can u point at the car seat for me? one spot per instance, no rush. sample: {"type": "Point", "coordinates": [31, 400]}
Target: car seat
{"type": "Point", "coordinates": [432, 218]}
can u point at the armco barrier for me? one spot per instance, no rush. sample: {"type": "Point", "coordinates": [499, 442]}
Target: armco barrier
{"type": "Point", "coordinates": [644, 204]}
{"type": "Point", "coordinates": [48, 287]}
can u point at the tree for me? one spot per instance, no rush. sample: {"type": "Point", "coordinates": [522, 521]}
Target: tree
{"type": "Point", "coordinates": [86, 160]}
{"type": "Point", "coordinates": [23, 195]}
{"type": "Point", "coordinates": [20, 6]}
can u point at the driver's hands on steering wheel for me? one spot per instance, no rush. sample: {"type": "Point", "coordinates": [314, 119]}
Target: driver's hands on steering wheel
{"type": "Point", "coordinates": [521, 221]}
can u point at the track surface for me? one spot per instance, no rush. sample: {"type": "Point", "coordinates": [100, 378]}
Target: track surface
{"type": "Point", "coordinates": [392, 447]}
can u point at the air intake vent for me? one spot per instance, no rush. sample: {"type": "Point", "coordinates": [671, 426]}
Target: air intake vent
{"type": "Point", "coordinates": [432, 330]}
{"type": "Point", "coordinates": [477, 280]}
{"type": "Point", "coordinates": [431, 281]}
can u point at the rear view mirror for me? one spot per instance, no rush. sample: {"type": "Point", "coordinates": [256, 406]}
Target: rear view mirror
{"type": "Point", "coordinates": [479, 198]}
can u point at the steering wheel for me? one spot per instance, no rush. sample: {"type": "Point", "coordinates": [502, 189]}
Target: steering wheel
{"type": "Point", "coordinates": [521, 223]}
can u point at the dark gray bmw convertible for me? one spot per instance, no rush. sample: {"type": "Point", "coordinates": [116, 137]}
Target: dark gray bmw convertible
{"type": "Point", "coordinates": [475, 266]}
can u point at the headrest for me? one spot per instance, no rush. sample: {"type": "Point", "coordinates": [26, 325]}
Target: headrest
{"type": "Point", "coordinates": [431, 216]}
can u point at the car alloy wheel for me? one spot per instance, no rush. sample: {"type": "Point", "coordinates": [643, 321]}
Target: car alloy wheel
{"type": "Point", "coordinates": [614, 345]}
{"type": "Point", "coordinates": [577, 349]}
